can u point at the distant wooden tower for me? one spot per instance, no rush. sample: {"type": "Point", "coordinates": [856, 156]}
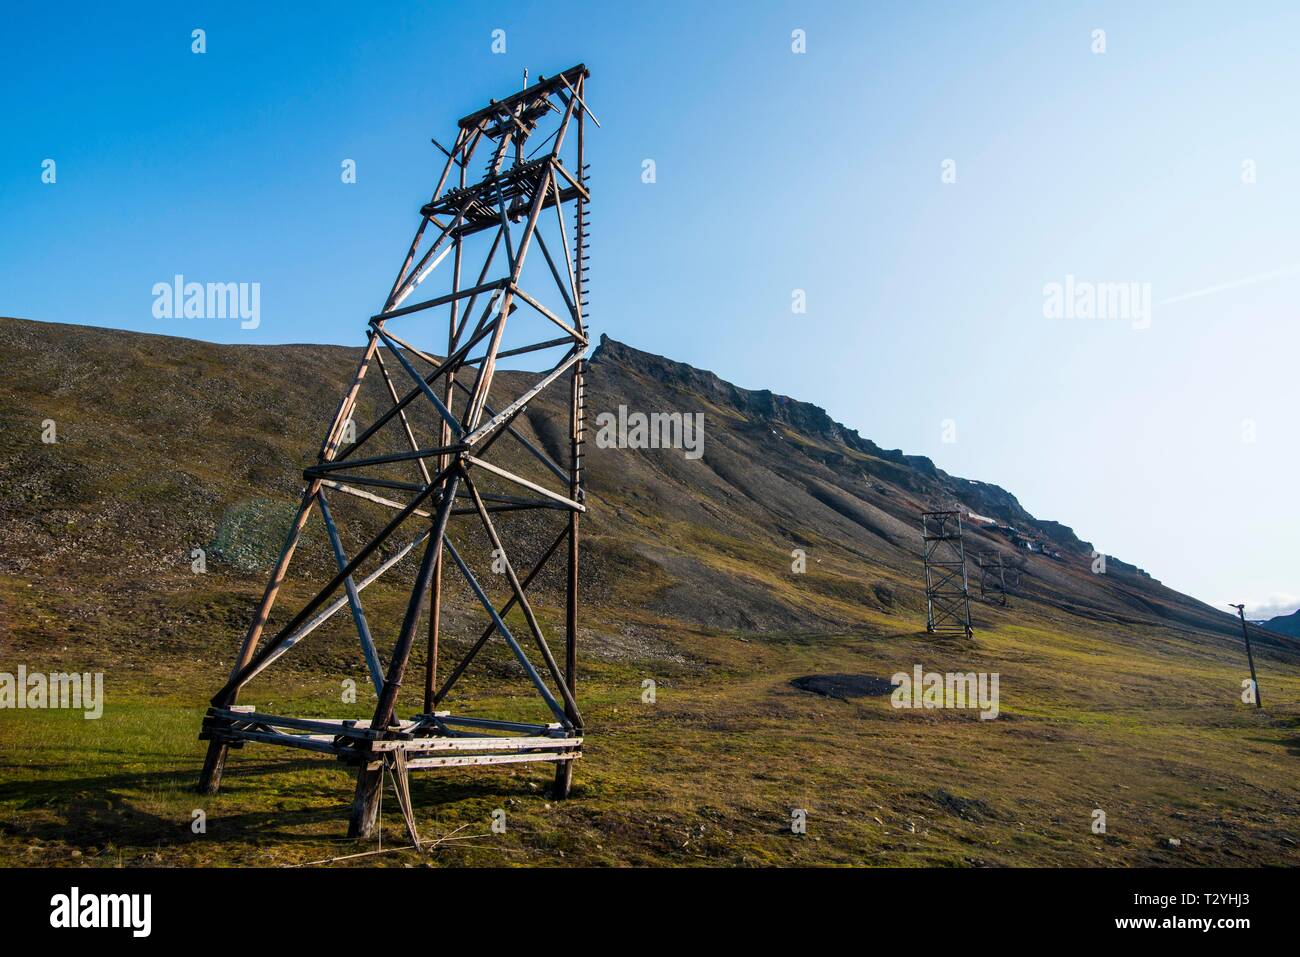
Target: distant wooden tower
{"type": "Point", "coordinates": [947, 599]}
{"type": "Point", "coordinates": [439, 489]}
{"type": "Point", "coordinates": [993, 578]}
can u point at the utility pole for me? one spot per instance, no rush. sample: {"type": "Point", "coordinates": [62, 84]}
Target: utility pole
{"type": "Point", "coordinates": [1245, 633]}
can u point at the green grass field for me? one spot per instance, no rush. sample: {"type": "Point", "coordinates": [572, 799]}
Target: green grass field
{"type": "Point", "coordinates": [710, 773]}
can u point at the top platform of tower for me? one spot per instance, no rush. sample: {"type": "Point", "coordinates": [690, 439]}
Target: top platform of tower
{"type": "Point", "coordinates": [566, 82]}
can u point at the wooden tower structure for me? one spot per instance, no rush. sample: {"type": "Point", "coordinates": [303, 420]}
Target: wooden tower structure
{"type": "Point", "coordinates": [993, 578]}
{"type": "Point", "coordinates": [947, 598]}
{"type": "Point", "coordinates": [444, 491]}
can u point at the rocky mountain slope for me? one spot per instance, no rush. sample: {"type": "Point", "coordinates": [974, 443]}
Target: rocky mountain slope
{"type": "Point", "coordinates": [165, 444]}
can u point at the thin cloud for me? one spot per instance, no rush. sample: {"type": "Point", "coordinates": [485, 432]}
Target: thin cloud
{"type": "Point", "coordinates": [1234, 284]}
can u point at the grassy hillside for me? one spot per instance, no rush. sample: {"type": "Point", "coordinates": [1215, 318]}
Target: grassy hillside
{"type": "Point", "coordinates": [1116, 693]}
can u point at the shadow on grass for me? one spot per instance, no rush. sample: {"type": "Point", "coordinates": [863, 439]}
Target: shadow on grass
{"type": "Point", "coordinates": [1292, 744]}
{"type": "Point", "coordinates": [250, 809]}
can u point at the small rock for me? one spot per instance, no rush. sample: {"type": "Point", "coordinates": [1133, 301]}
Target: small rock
{"type": "Point", "coordinates": [1175, 842]}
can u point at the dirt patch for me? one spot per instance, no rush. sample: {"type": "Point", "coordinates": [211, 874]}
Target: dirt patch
{"type": "Point", "coordinates": [844, 687]}
{"type": "Point", "coordinates": [968, 809]}
{"type": "Point", "coordinates": [630, 643]}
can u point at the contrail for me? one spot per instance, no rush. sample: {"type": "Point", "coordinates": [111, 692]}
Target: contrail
{"type": "Point", "coordinates": [1248, 281]}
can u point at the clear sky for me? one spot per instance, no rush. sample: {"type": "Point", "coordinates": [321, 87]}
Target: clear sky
{"type": "Point", "coordinates": [1170, 159]}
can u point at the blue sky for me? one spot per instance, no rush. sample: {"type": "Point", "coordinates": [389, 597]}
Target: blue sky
{"type": "Point", "coordinates": [1171, 445]}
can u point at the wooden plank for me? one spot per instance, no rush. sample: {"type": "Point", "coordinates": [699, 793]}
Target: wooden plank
{"type": "Point", "coordinates": [499, 743]}
{"type": "Point", "coordinates": [354, 598]}
{"type": "Point", "coordinates": [382, 317]}
{"type": "Point", "coordinates": [577, 336]}
{"type": "Point", "coordinates": [419, 764]}
{"type": "Point", "coordinates": [302, 741]}
{"type": "Point", "coordinates": [508, 413]}
{"type": "Point", "coordinates": [359, 493]}
{"type": "Point", "coordinates": [360, 729]}
{"type": "Point", "coordinates": [518, 480]}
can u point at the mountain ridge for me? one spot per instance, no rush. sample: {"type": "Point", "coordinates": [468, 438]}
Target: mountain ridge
{"type": "Point", "coordinates": [203, 432]}
{"type": "Point", "coordinates": [805, 416]}
{"type": "Point", "coordinates": [1285, 624]}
